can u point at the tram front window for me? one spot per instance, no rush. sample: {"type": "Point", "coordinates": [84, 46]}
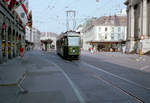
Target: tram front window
{"type": "Point", "coordinates": [73, 41]}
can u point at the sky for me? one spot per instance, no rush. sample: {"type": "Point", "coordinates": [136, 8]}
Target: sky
{"type": "Point", "coordinates": [50, 15]}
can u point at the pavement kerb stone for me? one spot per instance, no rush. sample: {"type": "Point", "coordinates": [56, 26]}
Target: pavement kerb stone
{"type": "Point", "coordinates": [8, 85]}
{"type": "Point", "coordinates": [18, 80]}
{"type": "Point", "coordinates": [13, 82]}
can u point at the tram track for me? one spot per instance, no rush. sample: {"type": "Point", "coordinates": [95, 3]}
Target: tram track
{"type": "Point", "coordinates": [98, 76]}
{"type": "Point", "coordinates": [83, 65]}
{"type": "Point", "coordinates": [117, 87]}
{"type": "Point", "coordinates": [119, 77]}
{"type": "Point", "coordinates": [139, 100]}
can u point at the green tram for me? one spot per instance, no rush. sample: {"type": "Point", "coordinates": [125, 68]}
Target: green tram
{"type": "Point", "coordinates": [68, 45]}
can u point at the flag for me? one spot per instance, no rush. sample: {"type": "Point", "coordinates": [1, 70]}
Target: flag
{"type": "Point", "coordinates": [29, 24]}
{"type": "Point", "coordinates": [7, 1]}
{"type": "Point", "coordinates": [12, 3]}
{"type": "Point", "coordinates": [22, 11]}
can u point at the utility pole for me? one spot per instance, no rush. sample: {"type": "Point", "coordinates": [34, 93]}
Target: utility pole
{"type": "Point", "coordinates": [68, 14]}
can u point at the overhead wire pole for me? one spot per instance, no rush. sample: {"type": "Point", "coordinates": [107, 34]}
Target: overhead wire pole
{"type": "Point", "coordinates": [67, 19]}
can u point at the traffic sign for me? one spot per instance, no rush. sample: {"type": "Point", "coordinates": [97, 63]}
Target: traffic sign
{"type": "Point", "coordinates": [142, 37]}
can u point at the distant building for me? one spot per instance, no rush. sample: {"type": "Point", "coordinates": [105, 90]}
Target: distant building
{"type": "Point", "coordinates": [49, 36]}
{"type": "Point", "coordinates": [27, 34]}
{"type": "Point", "coordinates": [80, 29]}
{"type": "Point", "coordinates": [35, 38]}
{"type": "Point", "coordinates": [107, 32]}
{"type": "Point", "coordinates": [138, 14]}
{"type": "Point", "coordinates": [28, 41]}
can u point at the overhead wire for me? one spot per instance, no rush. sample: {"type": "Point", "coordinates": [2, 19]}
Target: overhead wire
{"type": "Point", "coordinates": [60, 19]}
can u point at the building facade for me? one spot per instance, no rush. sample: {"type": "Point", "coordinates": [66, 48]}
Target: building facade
{"type": "Point", "coordinates": [49, 39]}
{"type": "Point", "coordinates": [105, 30]}
{"type": "Point", "coordinates": [138, 20]}
{"type": "Point", "coordinates": [80, 29]}
{"type": "Point", "coordinates": [35, 38]}
{"type": "Point", "coordinates": [12, 33]}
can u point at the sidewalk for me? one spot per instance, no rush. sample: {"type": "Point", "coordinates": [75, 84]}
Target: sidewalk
{"type": "Point", "coordinates": [11, 71]}
{"type": "Point", "coordinates": [45, 81]}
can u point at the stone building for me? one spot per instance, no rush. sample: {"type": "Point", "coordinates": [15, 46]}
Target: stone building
{"type": "Point", "coordinates": [48, 40]}
{"type": "Point", "coordinates": [138, 20]}
{"type": "Point", "coordinates": [35, 38]}
{"type": "Point", "coordinates": [105, 33]}
{"type": "Point", "coordinates": [12, 33]}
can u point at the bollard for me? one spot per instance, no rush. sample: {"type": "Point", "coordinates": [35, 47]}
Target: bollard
{"type": "Point", "coordinates": [140, 52]}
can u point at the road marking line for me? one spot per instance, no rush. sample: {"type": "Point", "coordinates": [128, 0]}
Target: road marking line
{"type": "Point", "coordinates": [77, 93]}
{"type": "Point", "coordinates": [94, 67]}
{"type": "Point", "coordinates": [145, 67]}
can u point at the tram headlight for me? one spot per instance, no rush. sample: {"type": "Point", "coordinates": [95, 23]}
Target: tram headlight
{"type": "Point", "coordinates": [73, 51]}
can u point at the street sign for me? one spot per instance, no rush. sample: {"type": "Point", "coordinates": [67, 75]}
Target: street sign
{"type": "Point", "coordinates": [142, 37]}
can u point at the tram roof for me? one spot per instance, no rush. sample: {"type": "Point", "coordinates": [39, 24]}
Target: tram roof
{"type": "Point", "coordinates": [68, 33]}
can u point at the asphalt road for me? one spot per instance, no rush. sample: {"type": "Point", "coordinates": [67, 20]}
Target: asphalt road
{"type": "Point", "coordinates": [51, 79]}
{"type": "Point", "coordinates": [99, 81]}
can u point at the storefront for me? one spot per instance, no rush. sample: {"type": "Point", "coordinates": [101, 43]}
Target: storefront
{"type": "Point", "coordinates": [107, 46]}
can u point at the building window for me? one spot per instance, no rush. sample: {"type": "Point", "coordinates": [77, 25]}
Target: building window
{"type": "Point", "coordinates": [112, 29]}
{"type": "Point", "coordinates": [106, 29]}
{"type": "Point", "coordinates": [112, 36]}
{"type": "Point", "coordinates": [105, 36]}
{"type": "Point", "coordinates": [119, 36]}
{"type": "Point", "coordinates": [119, 29]}
{"type": "Point", "coordinates": [99, 29]}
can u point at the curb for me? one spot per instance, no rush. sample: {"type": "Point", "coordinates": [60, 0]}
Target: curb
{"type": "Point", "coordinates": [14, 84]}
{"type": "Point", "coordinates": [8, 85]}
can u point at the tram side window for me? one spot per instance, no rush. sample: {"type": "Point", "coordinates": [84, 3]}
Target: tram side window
{"type": "Point", "coordinates": [58, 44]}
{"type": "Point", "coordinates": [66, 41]}
{"type": "Point", "coordinates": [62, 42]}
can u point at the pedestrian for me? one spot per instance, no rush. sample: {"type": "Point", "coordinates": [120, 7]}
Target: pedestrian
{"type": "Point", "coordinates": [92, 50]}
{"type": "Point", "coordinates": [21, 51]}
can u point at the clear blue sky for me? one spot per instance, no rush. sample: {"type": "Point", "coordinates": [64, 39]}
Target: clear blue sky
{"type": "Point", "coordinates": [50, 15]}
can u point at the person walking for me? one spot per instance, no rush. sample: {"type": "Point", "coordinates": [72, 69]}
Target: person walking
{"type": "Point", "coordinates": [21, 51]}
{"type": "Point", "coordinates": [92, 50]}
